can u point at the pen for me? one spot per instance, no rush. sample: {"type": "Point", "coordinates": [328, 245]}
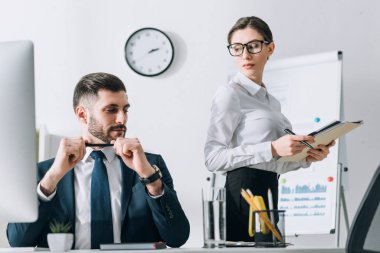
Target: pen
{"type": "Point", "coordinates": [251, 232]}
{"type": "Point", "coordinates": [303, 142]}
{"type": "Point", "coordinates": [98, 145]}
{"type": "Point", "coordinates": [271, 210]}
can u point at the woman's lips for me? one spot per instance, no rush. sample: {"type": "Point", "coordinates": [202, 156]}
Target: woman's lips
{"type": "Point", "coordinates": [248, 65]}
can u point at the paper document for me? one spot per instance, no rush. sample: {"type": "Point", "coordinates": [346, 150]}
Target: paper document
{"type": "Point", "coordinates": [324, 136]}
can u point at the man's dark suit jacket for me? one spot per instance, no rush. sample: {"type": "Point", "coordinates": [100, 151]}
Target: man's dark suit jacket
{"type": "Point", "coordinates": [144, 219]}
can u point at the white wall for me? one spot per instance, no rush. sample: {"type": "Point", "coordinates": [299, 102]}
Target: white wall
{"type": "Point", "coordinates": [170, 113]}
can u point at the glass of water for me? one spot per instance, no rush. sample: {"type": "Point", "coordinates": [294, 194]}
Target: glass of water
{"type": "Point", "coordinates": [214, 217]}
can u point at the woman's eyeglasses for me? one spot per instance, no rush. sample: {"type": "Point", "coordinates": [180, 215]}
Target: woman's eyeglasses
{"type": "Point", "coordinates": [253, 47]}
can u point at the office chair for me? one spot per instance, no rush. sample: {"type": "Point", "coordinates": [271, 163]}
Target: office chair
{"type": "Point", "coordinates": [364, 234]}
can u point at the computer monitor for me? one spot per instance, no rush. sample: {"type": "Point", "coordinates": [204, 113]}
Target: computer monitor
{"type": "Point", "coordinates": [18, 196]}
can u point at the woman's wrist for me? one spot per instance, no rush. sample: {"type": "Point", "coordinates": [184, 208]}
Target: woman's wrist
{"type": "Point", "coordinates": [274, 153]}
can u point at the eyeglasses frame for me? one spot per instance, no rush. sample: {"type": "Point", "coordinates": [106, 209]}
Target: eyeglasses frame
{"type": "Point", "coordinates": [245, 46]}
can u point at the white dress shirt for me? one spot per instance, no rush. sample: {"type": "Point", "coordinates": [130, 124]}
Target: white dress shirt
{"type": "Point", "coordinates": [245, 119]}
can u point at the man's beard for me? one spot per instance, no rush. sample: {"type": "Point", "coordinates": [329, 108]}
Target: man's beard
{"type": "Point", "coordinates": [104, 134]}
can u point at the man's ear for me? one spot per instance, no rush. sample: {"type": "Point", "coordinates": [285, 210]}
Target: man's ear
{"type": "Point", "coordinates": [81, 113]}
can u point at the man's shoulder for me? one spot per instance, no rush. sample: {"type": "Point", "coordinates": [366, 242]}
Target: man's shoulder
{"type": "Point", "coordinates": [153, 158]}
{"type": "Point", "coordinates": [152, 155]}
{"type": "Point", "coordinates": [156, 159]}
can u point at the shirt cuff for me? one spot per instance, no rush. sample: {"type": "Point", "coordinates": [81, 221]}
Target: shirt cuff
{"type": "Point", "coordinates": [42, 196]}
{"type": "Point", "coordinates": [265, 151]}
{"type": "Point", "coordinates": [158, 196]}
{"type": "Point", "coordinates": [304, 163]}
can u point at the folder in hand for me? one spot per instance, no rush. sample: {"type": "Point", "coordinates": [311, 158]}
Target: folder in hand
{"type": "Point", "coordinates": [324, 136]}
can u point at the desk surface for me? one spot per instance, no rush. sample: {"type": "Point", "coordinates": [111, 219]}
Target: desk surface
{"type": "Point", "coordinates": [289, 249]}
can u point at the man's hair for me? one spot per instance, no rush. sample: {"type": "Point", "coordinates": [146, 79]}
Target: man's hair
{"type": "Point", "coordinates": [252, 22]}
{"type": "Point", "coordinates": [89, 86]}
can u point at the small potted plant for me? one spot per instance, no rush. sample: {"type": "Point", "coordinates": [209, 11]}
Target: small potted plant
{"type": "Point", "coordinates": [60, 240]}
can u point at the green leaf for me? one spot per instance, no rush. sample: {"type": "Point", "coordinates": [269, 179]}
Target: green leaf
{"type": "Point", "coordinates": [59, 227]}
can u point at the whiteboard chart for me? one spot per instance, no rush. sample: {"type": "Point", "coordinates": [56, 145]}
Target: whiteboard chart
{"type": "Point", "coordinates": [309, 90]}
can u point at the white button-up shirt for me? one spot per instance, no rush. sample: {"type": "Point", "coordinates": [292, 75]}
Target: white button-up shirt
{"type": "Point", "coordinates": [245, 119]}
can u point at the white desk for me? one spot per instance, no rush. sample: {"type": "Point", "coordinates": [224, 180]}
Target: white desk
{"type": "Point", "coordinates": [289, 249]}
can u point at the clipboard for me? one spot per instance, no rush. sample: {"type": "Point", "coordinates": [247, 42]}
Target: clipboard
{"type": "Point", "coordinates": [324, 136]}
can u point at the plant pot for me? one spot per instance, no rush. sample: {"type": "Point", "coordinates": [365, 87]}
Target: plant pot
{"type": "Point", "coordinates": [60, 242]}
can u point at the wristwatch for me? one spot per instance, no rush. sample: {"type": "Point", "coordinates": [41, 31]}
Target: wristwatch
{"type": "Point", "coordinates": [156, 175]}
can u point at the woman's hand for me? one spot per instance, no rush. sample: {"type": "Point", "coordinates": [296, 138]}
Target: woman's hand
{"type": "Point", "coordinates": [289, 145]}
{"type": "Point", "coordinates": [319, 153]}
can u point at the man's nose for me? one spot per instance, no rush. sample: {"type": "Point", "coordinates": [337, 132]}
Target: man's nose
{"type": "Point", "coordinates": [121, 117]}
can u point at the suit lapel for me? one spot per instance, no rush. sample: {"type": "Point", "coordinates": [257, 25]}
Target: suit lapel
{"type": "Point", "coordinates": [68, 196]}
{"type": "Point", "coordinates": [128, 178]}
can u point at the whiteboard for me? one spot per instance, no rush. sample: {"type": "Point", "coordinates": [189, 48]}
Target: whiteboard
{"type": "Point", "coordinates": [309, 90]}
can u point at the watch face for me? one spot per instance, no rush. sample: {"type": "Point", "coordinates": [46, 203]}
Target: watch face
{"type": "Point", "coordinates": [149, 52]}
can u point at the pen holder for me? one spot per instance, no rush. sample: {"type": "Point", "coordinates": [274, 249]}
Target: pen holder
{"type": "Point", "coordinates": [269, 235]}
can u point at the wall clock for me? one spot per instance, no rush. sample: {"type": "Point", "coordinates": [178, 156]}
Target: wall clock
{"type": "Point", "coordinates": [149, 52]}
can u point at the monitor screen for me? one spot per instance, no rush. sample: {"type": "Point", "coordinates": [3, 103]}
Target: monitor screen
{"type": "Point", "coordinates": [18, 196]}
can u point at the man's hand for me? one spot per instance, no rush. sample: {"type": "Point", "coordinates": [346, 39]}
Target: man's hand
{"type": "Point", "coordinates": [69, 153]}
{"type": "Point", "coordinates": [319, 153]}
{"type": "Point", "coordinates": [132, 153]}
{"type": "Point", "coordinates": [289, 145]}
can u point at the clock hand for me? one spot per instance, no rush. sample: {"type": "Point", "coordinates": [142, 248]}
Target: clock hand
{"type": "Point", "coordinates": [153, 50]}
{"type": "Point", "coordinates": [149, 52]}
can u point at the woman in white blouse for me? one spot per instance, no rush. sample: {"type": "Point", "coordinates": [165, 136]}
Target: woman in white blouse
{"type": "Point", "coordinates": [246, 133]}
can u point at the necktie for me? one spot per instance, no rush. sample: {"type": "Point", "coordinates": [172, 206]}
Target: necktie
{"type": "Point", "coordinates": [101, 214]}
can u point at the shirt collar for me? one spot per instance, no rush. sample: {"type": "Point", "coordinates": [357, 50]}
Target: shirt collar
{"type": "Point", "coordinates": [108, 152]}
{"type": "Point", "coordinates": [249, 85]}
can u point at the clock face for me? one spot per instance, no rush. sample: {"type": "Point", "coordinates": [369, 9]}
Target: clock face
{"type": "Point", "coordinates": [149, 52]}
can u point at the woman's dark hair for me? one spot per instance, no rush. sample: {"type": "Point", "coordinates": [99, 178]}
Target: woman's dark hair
{"type": "Point", "coordinates": [90, 84]}
{"type": "Point", "coordinates": [252, 22]}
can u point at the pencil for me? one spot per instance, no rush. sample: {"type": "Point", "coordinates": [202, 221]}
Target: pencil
{"type": "Point", "coordinates": [265, 219]}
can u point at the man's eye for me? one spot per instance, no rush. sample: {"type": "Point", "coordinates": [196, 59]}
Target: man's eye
{"type": "Point", "coordinates": [111, 110]}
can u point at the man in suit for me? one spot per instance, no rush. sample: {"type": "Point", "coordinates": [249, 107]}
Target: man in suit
{"type": "Point", "coordinates": [108, 193]}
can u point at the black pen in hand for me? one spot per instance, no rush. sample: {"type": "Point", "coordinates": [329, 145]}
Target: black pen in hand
{"type": "Point", "coordinates": [98, 145]}
{"type": "Point", "coordinates": [303, 142]}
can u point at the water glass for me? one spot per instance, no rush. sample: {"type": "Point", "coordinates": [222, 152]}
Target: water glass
{"type": "Point", "coordinates": [214, 217]}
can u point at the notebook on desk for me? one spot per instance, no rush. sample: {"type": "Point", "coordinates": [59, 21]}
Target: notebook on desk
{"type": "Point", "coordinates": [324, 136]}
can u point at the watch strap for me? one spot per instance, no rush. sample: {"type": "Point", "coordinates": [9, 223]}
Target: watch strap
{"type": "Point", "coordinates": [155, 176]}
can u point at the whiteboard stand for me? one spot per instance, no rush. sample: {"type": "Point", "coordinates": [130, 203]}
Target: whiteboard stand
{"type": "Point", "coordinates": [341, 203]}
